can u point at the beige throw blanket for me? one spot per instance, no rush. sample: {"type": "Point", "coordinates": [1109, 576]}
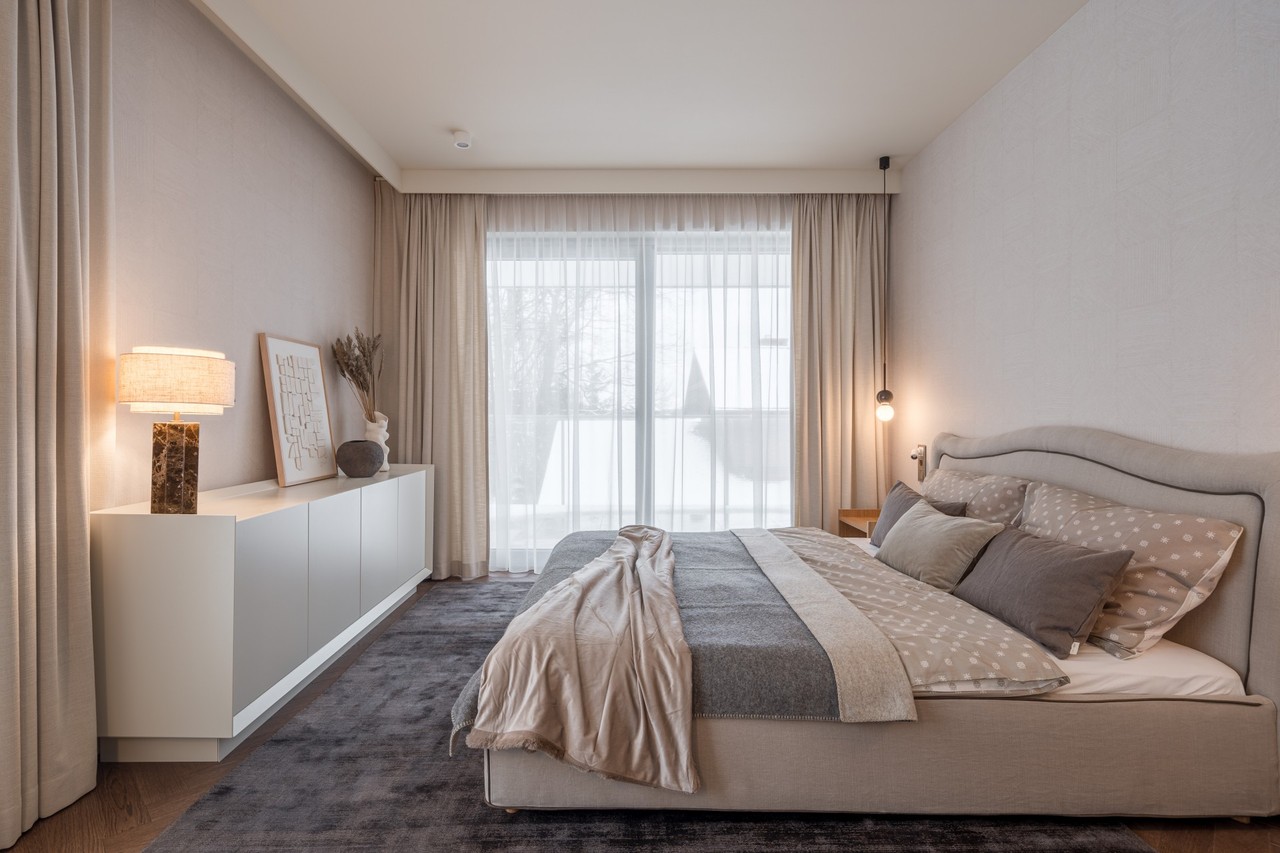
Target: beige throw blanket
{"type": "Point", "coordinates": [597, 673]}
{"type": "Point", "coordinates": [871, 684]}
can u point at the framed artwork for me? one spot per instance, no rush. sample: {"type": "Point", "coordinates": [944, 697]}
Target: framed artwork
{"type": "Point", "coordinates": [303, 438]}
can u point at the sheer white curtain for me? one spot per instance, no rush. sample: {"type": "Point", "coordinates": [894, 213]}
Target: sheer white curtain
{"type": "Point", "coordinates": [640, 366]}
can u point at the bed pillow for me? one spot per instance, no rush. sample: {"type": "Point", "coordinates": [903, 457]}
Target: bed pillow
{"type": "Point", "coordinates": [1050, 591]}
{"type": "Point", "coordinates": [1177, 560]}
{"type": "Point", "coordinates": [933, 547]}
{"type": "Point", "coordinates": [900, 499]}
{"type": "Point", "coordinates": [990, 497]}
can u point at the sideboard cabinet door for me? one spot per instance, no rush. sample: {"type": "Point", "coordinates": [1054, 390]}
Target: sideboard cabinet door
{"type": "Point", "coordinates": [379, 521]}
{"type": "Point", "coordinates": [333, 600]}
{"type": "Point", "coordinates": [270, 602]}
{"type": "Point", "coordinates": [412, 550]}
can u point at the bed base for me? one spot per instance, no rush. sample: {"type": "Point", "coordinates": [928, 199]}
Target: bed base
{"type": "Point", "coordinates": [1078, 756]}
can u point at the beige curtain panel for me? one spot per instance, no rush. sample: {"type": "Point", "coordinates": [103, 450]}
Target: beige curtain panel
{"type": "Point", "coordinates": [52, 198]}
{"type": "Point", "coordinates": [838, 284]}
{"type": "Point", "coordinates": [430, 309]}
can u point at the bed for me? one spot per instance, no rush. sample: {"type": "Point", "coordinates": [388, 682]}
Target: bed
{"type": "Point", "coordinates": [1121, 751]}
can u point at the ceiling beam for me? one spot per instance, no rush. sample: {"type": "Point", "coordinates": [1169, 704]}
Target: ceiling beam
{"type": "Point", "coordinates": [240, 23]}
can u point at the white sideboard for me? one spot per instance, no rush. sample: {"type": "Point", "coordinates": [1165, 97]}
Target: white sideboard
{"type": "Point", "coordinates": [205, 624]}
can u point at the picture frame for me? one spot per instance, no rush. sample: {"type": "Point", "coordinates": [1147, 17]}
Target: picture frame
{"type": "Point", "coordinates": [299, 406]}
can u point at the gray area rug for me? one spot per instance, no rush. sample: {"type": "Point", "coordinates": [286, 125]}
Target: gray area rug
{"type": "Point", "coordinates": [366, 767]}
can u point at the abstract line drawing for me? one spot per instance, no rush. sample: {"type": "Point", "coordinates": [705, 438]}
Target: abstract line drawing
{"type": "Point", "coordinates": [305, 431]}
{"type": "Point", "coordinates": [294, 374]}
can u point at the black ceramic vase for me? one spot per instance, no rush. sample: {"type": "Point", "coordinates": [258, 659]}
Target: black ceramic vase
{"type": "Point", "coordinates": [360, 458]}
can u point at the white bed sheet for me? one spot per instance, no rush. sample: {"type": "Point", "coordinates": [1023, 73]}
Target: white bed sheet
{"type": "Point", "coordinates": [1167, 669]}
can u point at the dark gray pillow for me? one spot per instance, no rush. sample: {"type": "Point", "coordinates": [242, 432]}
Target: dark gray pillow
{"type": "Point", "coordinates": [1050, 591]}
{"type": "Point", "coordinates": [900, 499]}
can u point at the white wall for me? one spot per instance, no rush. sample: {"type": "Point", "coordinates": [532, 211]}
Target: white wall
{"type": "Point", "coordinates": [1097, 240]}
{"type": "Point", "coordinates": [235, 214]}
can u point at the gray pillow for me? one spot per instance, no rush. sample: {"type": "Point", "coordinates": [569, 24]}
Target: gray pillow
{"type": "Point", "coordinates": [1050, 591]}
{"type": "Point", "coordinates": [933, 547]}
{"type": "Point", "coordinates": [900, 499]}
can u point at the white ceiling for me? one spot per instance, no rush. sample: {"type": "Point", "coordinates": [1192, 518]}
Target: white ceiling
{"type": "Point", "coordinates": [640, 84]}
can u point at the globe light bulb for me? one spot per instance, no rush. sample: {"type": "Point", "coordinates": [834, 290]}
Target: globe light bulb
{"type": "Point", "coordinates": [884, 411]}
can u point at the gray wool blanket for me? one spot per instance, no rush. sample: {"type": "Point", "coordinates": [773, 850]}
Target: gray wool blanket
{"type": "Point", "coordinates": [752, 655]}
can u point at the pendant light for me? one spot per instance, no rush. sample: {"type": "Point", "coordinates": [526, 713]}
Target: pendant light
{"type": "Point", "coordinates": [884, 397]}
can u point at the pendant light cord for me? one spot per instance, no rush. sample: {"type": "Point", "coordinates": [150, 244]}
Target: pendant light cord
{"type": "Point", "coordinates": [884, 301]}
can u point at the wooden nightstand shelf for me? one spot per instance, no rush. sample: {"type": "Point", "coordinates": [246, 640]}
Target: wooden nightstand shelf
{"type": "Point", "coordinates": [858, 522]}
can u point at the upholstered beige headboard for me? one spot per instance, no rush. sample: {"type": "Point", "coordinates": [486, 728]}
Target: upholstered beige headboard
{"type": "Point", "coordinates": [1240, 623]}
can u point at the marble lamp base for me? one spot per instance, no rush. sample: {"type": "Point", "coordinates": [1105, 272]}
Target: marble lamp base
{"type": "Point", "coordinates": [175, 465]}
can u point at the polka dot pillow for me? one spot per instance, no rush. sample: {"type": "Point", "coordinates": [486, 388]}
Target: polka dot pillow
{"type": "Point", "coordinates": [990, 497]}
{"type": "Point", "coordinates": [1177, 560]}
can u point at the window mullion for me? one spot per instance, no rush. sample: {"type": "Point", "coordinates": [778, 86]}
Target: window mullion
{"type": "Point", "coordinates": [646, 306]}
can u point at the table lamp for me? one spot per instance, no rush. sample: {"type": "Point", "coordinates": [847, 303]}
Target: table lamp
{"type": "Point", "coordinates": [167, 379]}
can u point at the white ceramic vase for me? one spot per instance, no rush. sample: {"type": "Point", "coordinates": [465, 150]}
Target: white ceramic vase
{"type": "Point", "coordinates": [376, 431]}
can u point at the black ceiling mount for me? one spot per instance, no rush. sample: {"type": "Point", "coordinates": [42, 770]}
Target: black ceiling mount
{"type": "Point", "coordinates": [884, 163]}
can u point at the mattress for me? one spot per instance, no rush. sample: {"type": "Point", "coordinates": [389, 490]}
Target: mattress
{"type": "Point", "coordinates": [1167, 669]}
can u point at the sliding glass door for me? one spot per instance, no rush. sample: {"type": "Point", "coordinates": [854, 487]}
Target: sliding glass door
{"type": "Point", "coordinates": [640, 367]}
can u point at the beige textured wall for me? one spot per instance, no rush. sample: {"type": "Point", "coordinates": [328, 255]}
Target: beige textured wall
{"type": "Point", "coordinates": [235, 214]}
{"type": "Point", "coordinates": [1097, 240]}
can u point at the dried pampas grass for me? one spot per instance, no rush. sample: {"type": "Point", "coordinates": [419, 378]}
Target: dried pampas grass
{"type": "Point", "coordinates": [360, 363]}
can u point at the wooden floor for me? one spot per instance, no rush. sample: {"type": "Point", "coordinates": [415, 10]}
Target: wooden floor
{"type": "Point", "coordinates": [133, 803]}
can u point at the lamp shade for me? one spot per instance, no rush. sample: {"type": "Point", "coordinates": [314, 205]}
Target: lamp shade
{"type": "Point", "coordinates": [166, 379]}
